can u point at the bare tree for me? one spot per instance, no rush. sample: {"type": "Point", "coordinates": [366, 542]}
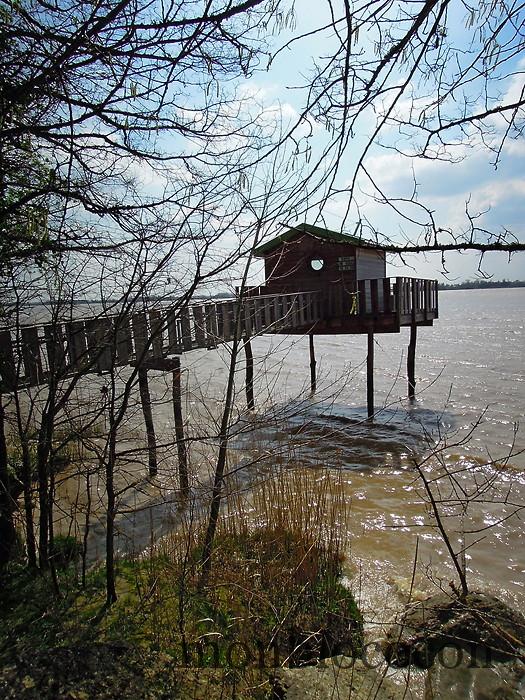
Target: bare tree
{"type": "Point", "coordinates": [402, 84]}
{"type": "Point", "coordinates": [454, 494]}
{"type": "Point", "coordinates": [93, 97]}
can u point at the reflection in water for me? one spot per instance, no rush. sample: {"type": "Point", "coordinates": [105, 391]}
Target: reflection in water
{"type": "Point", "coordinates": [389, 506]}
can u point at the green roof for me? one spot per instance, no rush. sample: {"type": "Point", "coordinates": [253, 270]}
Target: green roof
{"type": "Point", "coordinates": [316, 231]}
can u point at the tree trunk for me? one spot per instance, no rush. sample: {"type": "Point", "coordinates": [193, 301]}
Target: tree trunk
{"type": "Point", "coordinates": [179, 430]}
{"type": "Point", "coordinates": [7, 527]}
{"type": "Point", "coordinates": [27, 482]}
{"type": "Point", "coordinates": [111, 593]}
{"type": "Point", "coordinates": [250, 401]}
{"type": "Point", "coordinates": [145, 400]}
{"type": "Point", "coordinates": [87, 524]}
{"type": "Point", "coordinates": [223, 438]}
{"type": "Point", "coordinates": [43, 450]}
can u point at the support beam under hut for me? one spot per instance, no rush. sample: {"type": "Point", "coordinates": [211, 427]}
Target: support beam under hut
{"type": "Point", "coordinates": [370, 376]}
{"type": "Point", "coordinates": [250, 401]}
{"type": "Point", "coordinates": [411, 362]}
{"type": "Point", "coordinates": [313, 365]}
{"type": "Point", "coordinates": [179, 427]}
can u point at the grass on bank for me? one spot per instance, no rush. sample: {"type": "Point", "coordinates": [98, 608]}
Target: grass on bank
{"type": "Point", "coordinates": [275, 595]}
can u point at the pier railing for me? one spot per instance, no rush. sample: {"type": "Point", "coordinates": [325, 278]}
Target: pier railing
{"type": "Point", "coordinates": [31, 354]}
{"type": "Point", "coordinates": [407, 298]}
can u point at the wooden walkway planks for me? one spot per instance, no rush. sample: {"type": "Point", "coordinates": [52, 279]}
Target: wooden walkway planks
{"type": "Point", "coordinates": [98, 344]}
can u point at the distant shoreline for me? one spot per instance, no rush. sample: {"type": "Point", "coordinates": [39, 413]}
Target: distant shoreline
{"type": "Point", "coordinates": [470, 284]}
{"type": "Point", "coordinates": [482, 284]}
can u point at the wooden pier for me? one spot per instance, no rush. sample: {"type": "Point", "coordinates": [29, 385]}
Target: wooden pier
{"type": "Point", "coordinates": [30, 354]}
{"type": "Point", "coordinates": [379, 306]}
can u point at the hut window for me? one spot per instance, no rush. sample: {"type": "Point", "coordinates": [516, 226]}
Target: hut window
{"type": "Point", "coordinates": [346, 264]}
{"type": "Point", "coordinates": [317, 264]}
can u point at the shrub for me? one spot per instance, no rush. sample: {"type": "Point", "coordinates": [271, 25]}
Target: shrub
{"type": "Point", "coordinates": [65, 550]}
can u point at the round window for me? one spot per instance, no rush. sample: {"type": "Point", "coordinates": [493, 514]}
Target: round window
{"type": "Point", "coordinates": [317, 264]}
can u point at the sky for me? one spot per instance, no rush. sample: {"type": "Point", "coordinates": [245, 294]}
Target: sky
{"type": "Point", "coordinates": [494, 193]}
{"type": "Point", "coordinates": [468, 177]}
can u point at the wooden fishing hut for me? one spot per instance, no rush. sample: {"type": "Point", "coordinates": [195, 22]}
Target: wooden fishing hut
{"type": "Point", "coordinates": [346, 276]}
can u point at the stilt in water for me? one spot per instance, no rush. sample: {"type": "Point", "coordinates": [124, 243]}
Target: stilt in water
{"type": "Point", "coordinates": [411, 362]}
{"type": "Point", "coordinates": [145, 400]}
{"type": "Point", "coordinates": [179, 429]}
{"type": "Point", "coordinates": [313, 363]}
{"type": "Point", "coordinates": [370, 376]}
{"type": "Point", "coordinates": [249, 374]}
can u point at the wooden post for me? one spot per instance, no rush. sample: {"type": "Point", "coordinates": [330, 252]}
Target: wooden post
{"type": "Point", "coordinates": [313, 363]}
{"type": "Point", "coordinates": [249, 374]}
{"type": "Point", "coordinates": [145, 400]}
{"type": "Point", "coordinates": [411, 362]}
{"type": "Point", "coordinates": [179, 429]}
{"type": "Point", "coordinates": [370, 376]}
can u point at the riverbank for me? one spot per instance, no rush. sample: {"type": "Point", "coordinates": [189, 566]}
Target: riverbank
{"type": "Point", "coordinates": [275, 623]}
{"type": "Point", "coordinates": [274, 597]}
